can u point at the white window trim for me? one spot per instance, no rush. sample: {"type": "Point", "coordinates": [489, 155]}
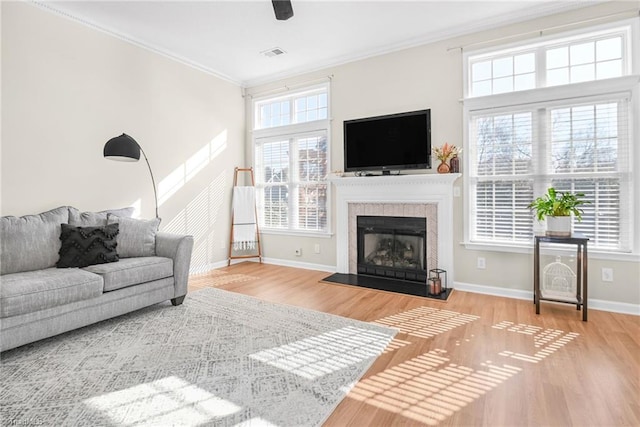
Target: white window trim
{"type": "Point", "coordinates": [286, 132]}
{"type": "Point", "coordinates": [629, 84]}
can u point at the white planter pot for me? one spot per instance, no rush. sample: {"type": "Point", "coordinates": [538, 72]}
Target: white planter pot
{"type": "Point", "coordinates": [558, 226]}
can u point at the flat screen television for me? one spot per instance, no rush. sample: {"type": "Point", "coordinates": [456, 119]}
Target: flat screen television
{"type": "Point", "coordinates": [386, 143]}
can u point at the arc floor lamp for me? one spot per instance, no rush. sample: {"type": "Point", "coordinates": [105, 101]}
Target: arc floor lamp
{"type": "Point", "coordinates": [125, 148]}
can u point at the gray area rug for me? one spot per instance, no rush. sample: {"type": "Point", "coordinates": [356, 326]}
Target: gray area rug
{"type": "Point", "coordinates": [219, 359]}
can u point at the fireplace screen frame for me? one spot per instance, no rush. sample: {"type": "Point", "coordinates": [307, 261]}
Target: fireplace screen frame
{"type": "Point", "coordinates": [408, 227]}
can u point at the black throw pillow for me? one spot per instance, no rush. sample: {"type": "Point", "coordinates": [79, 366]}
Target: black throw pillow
{"type": "Point", "coordinates": [83, 246]}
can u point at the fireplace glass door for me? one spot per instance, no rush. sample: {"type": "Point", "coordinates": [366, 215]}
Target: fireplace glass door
{"type": "Point", "coordinates": [392, 247]}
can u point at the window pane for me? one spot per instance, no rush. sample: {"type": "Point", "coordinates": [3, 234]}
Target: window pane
{"type": "Point", "coordinates": [584, 138]}
{"type": "Point", "coordinates": [312, 102]}
{"type": "Point", "coordinates": [275, 161]}
{"type": "Point", "coordinates": [557, 58]}
{"type": "Point", "coordinates": [582, 53]}
{"type": "Point", "coordinates": [482, 88]}
{"type": "Point", "coordinates": [607, 120]}
{"type": "Point", "coordinates": [558, 77]}
{"type": "Point", "coordinates": [609, 49]}
{"type": "Point", "coordinates": [609, 69]}
{"type": "Point", "coordinates": [502, 67]}
{"type": "Point", "coordinates": [582, 73]}
{"type": "Point", "coordinates": [525, 63]}
{"type": "Point", "coordinates": [525, 81]}
{"type": "Point", "coordinates": [312, 158]}
{"type": "Point", "coordinates": [322, 100]}
{"type": "Point", "coordinates": [503, 85]}
{"type": "Point", "coordinates": [601, 217]}
{"type": "Point", "coordinates": [276, 206]}
{"type": "Point", "coordinates": [502, 213]}
{"type": "Point", "coordinates": [312, 207]}
{"type": "Point", "coordinates": [481, 71]}
{"type": "Point", "coordinates": [504, 144]}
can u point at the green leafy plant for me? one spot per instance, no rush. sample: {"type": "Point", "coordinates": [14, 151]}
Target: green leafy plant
{"type": "Point", "coordinates": [558, 203]}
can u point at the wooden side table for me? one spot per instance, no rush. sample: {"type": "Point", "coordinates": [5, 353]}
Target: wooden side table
{"type": "Point", "coordinates": [580, 240]}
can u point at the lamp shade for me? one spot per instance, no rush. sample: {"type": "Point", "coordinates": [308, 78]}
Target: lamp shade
{"type": "Point", "coordinates": [123, 148]}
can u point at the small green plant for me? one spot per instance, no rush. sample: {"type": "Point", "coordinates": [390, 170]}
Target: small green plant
{"type": "Point", "coordinates": [558, 203]}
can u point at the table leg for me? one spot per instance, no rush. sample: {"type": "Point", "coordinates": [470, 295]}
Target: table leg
{"type": "Point", "coordinates": [584, 282]}
{"type": "Point", "coordinates": [536, 276]}
{"type": "Point", "coordinates": [579, 277]}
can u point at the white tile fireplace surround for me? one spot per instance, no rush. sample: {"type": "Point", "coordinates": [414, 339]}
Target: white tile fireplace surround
{"type": "Point", "coordinates": [420, 195]}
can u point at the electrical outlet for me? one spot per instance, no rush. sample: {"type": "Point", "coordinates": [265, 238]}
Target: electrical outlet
{"type": "Point", "coordinates": [316, 248]}
{"type": "Point", "coordinates": [481, 263]}
{"type": "Point", "coordinates": [607, 274]}
{"type": "Point", "coordinates": [299, 252]}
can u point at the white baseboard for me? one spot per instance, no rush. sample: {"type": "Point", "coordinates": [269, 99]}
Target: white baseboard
{"type": "Point", "coordinates": [596, 304]}
{"type": "Point", "coordinates": [298, 264]}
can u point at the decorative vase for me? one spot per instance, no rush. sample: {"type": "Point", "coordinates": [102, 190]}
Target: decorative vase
{"type": "Point", "coordinates": [443, 167]}
{"type": "Point", "coordinates": [454, 164]}
{"type": "Point", "coordinates": [558, 226]}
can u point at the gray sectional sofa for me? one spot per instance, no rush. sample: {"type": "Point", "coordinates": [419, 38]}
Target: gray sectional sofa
{"type": "Point", "coordinates": [38, 300]}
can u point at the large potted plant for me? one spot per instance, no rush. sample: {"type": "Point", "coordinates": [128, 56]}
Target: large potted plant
{"type": "Point", "coordinates": [557, 207]}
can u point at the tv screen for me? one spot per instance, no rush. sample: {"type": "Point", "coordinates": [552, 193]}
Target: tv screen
{"type": "Point", "coordinates": [391, 142]}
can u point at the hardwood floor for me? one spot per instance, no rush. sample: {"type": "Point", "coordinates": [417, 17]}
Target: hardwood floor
{"type": "Point", "coordinates": [473, 360]}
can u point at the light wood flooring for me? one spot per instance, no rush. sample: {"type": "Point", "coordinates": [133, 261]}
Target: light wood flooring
{"type": "Point", "coordinates": [473, 360]}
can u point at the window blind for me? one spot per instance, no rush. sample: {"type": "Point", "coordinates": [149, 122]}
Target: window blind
{"type": "Point", "coordinates": [580, 145]}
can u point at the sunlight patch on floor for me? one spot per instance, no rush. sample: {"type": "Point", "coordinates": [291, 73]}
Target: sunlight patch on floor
{"type": "Point", "coordinates": [323, 354]}
{"type": "Point", "coordinates": [168, 401]}
{"type": "Point", "coordinates": [548, 341]}
{"type": "Point", "coordinates": [426, 322]}
{"type": "Point", "coordinates": [429, 388]}
{"type": "Point", "coordinates": [396, 344]}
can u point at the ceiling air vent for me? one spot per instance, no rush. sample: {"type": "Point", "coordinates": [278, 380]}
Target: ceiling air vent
{"type": "Point", "coordinates": [270, 53]}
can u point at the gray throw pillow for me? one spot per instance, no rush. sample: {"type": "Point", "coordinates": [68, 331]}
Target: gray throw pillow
{"type": "Point", "coordinates": [137, 237]}
{"type": "Point", "coordinates": [88, 219]}
{"type": "Point", "coordinates": [31, 242]}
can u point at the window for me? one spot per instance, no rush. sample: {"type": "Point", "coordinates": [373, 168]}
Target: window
{"type": "Point", "coordinates": [575, 59]}
{"type": "Point", "coordinates": [571, 130]}
{"type": "Point", "coordinates": [291, 150]}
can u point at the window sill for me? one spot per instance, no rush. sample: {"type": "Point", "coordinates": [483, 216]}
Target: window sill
{"type": "Point", "coordinates": [528, 249]}
{"type": "Point", "coordinates": [296, 233]}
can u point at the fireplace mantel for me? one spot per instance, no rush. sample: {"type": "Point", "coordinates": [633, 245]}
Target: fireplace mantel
{"type": "Point", "coordinates": [400, 189]}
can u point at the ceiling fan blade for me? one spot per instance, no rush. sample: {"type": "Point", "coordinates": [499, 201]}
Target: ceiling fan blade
{"type": "Point", "coordinates": [283, 9]}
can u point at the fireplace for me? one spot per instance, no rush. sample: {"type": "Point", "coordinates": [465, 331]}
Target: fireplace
{"type": "Point", "coordinates": [392, 247]}
{"type": "Point", "coordinates": [425, 196]}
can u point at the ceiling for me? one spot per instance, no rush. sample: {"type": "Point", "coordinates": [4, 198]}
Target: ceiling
{"type": "Point", "coordinates": [226, 38]}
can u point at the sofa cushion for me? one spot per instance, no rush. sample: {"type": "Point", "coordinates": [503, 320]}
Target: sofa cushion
{"type": "Point", "coordinates": [96, 218]}
{"type": "Point", "coordinates": [31, 242]}
{"type": "Point", "coordinates": [83, 246]}
{"type": "Point", "coordinates": [132, 271]}
{"type": "Point", "coordinates": [137, 237]}
{"type": "Point", "coordinates": [31, 291]}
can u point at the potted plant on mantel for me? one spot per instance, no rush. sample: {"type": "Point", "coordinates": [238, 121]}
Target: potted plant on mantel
{"type": "Point", "coordinates": [557, 207]}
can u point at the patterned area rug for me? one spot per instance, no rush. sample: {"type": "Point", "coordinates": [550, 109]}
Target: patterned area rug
{"type": "Point", "coordinates": [219, 359]}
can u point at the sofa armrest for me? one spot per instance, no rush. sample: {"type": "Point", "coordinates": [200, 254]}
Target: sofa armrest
{"type": "Point", "coordinates": [177, 247]}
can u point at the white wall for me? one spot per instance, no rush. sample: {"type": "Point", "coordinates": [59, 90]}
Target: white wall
{"type": "Point", "coordinates": [430, 76]}
{"type": "Point", "coordinates": [67, 89]}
